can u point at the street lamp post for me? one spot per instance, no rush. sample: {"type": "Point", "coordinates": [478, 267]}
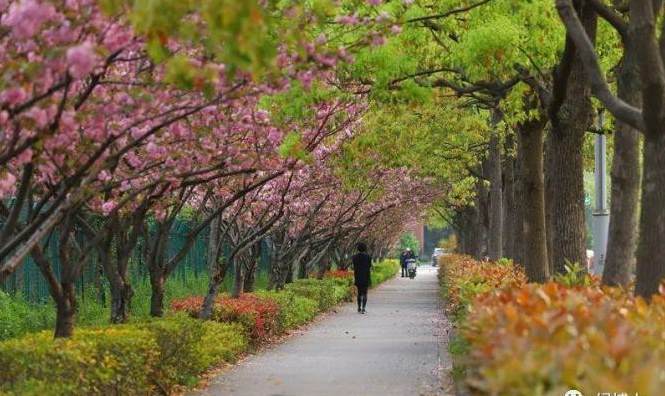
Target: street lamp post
{"type": "Point", "coordinates": [601, 214]}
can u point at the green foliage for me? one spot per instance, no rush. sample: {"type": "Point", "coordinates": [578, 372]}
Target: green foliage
{"type": "Point", "coordinates": [409, 241]}
{"type": "Point", "coordinates": [153, 356]}
{"type": "Point", "coordinates": [294, 310]}
{"type": "Point", "coordinates": [222, 342]}
{"type": "Point", "coordinates": [178, 340]}
{"type": "Point", "coordinates": [383, 271]}
{"type": "Point", "coordinates": [483, 51]}
{"type": "Point", "coordinates": [449, 244]}
{"type": "Point", "coordinates": [321, 291]}
{"type": "Point", "coordinates": [18, 317]}
{"type": "Point", "coordinates": [93, 362]}
{"type": "Point", "coordinates": [236, 33]}
{"type": "Point", "coordinates": [189, 346]}
{"type": "Point", "coordinates": [576, 275]}
{"type": "Point", "coordinates": [145, 358]}
{"type": "Point", "coordinates": [459, 348]}
{"type": "Point", "coordinates": [505, 262]}
{"type": "Point", "coordinates": [292, 147]}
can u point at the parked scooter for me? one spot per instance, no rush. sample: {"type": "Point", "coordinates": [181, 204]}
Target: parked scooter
{"type": "Point", "coordinates": [411, 267]}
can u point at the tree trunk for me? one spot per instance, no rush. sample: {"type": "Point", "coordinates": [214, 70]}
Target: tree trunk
{"type": "Point", "coordinates": [483, 225]}
{"type": "Point", "coordinates": [651, 249]}
{"type": "Point", "coordinates": [549, 204]}
{"type": "Point", "coordinates": [570, 119]}
{"type": "Point", "coordinates": [479, 221]}
{"type": "Point", "coordinates": [535, 237]}
{"type": "Point", "coordinates": [250, 279]}
{"type": "Point", "coordinates": [65, 311]}
{"type": "Point", "coordinates": [520, 203]}
{"type": "Point", "coordinates": [622, 236]}
{"type": "Point", "coordinates": [495, 212]}
{"type": "Point", "coordinates": [509, 208]}
{"type": "Point", "coordinates": [302, 269]}
{"type": "Point", "coordinates": [567, 175]}
{"type": "Point", "coordinates": [157, 281]}
{"type": "Point", "coordinates": [238, 278]}
{"type": "Point", "coordinates": [216, 280]}
{"type": "Point", "coordinates": [214, 245]}
{"type": "Point", "coordinates": [121, 300]}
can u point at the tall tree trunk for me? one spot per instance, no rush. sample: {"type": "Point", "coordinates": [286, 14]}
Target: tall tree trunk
{"type": "Point", "coordinates": [651, 248]}
{"type": "Point", "coordinates": [520, 204]}
{"type": "Point", "coordinates": [470, 237]}
{"type": "Point", "coordinates": [475, 232]}
{"type": "Point", "coordinates": [549, 203]}
{"type": "Point", "coordinates": [622, 236]}
{"type": "Point", "coordinates": [567, 199]}
{"type": "Point", "coordinates": [483, 226]}
{"type": "Point", "coordinates": [570, 119]}
{"type": "Point", "coordinates": [535, 237]}
{"type": "Point", "coordinates": [480, 220]}
{"type": "Point", "coordinates": [509, 209]}
{"type": "Point", "coordinates": [567, 175]}
{"type": "Point", "coordinates": [495, 242]}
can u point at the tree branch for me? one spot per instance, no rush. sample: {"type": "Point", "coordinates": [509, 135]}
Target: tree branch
{"type": "Point", "coordinates": [586, 51]}
{"type": "Point", "coordinates": [446, 14]}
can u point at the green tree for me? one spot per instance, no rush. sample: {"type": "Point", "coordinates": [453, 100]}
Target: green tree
{"type": "Point", "coordinates": [408, 240]}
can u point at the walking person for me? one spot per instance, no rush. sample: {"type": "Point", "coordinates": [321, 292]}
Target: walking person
{"type": "Point", "coordinates": [362, 264]}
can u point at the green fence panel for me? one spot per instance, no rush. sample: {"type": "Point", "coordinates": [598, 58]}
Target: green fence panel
{"type": "Point", "coordinates": [29, 283]}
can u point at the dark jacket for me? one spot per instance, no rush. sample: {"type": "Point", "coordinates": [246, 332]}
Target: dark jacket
{"type": "Point", "coordinates": [362, 263]}
{"type": "Point", "coordinates": [402, 259]}
{"type": "Point", "coordinates": [405, 256]}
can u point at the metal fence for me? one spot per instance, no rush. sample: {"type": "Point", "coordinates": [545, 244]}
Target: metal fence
{"type": "Point", "coordinates": [28, 281]}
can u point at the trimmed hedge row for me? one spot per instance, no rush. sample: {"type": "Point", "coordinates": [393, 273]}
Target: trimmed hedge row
{"type": "Point", "coordinates": [383, 271]}
{"type": "Point", "coordinates": [153, 357]}
{"type": "Point", "coordinates": [145, 358]}
{"type": "Point", "coordinates": [529, 339]}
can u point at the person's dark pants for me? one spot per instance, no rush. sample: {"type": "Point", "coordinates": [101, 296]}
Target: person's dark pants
{"type": "Point", "coordinates": [404, 271]}
{"type": "Point", "coordinates": [362, 296]}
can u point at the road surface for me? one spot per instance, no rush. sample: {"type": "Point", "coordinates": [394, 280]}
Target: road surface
{"type": "Point", "coordinates": [398, 348]}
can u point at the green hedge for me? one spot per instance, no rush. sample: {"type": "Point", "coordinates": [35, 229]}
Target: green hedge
{"type": "Point", "coordinates": [140, 359]}
{"type": "Point", "coordinates": [321, 291]}
{"type": "Point", "coordinates": [93, 362]}
{"type": "Point", "coordinates": [294, 310]}
{"type": "Point", "coordinates": [383, 271]}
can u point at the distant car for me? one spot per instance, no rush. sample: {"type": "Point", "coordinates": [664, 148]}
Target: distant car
{"type": "Point", "coordinates": [435, 256]}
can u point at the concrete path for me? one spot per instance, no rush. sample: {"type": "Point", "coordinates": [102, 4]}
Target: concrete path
{"type": "Point", "coordinates": [398, 348]}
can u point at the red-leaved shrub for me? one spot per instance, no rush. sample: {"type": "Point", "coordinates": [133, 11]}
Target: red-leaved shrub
{"type": "Point", "coordinates": [343, 274]}
{"type": "Point", "coordinates": [258, 315]}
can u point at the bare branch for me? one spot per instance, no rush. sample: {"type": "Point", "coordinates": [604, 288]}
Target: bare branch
{"type": "Point", "coordinates": [446, 14]}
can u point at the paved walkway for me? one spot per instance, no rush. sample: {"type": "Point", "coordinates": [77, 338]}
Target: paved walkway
{"type": "Point", "coordinates": [397, 348]}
